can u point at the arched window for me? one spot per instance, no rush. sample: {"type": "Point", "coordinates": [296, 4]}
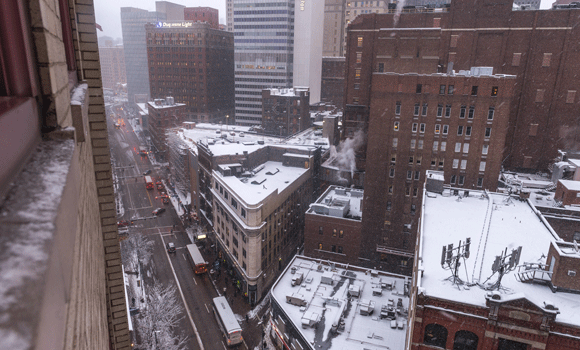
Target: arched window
{"type": "Point", "coordinates": [465, 340]}
{"type": "Point", "coordinates": [435, 335]}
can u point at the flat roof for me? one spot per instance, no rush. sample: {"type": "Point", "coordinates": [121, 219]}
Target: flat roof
{"type": "Point", "coordinates": [336, 196]}
{"type": "Point", "coordinates": [571, 185]}
{"type": "Point", "coordinates": [322, 299]}
{"type": "Point", "coordinates": [272, 177]}
{"type": "Point", "coordinates": [494, 222]}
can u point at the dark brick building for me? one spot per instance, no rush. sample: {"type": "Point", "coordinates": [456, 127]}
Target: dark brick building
{"type": "Point", "coordinates": [535, 46]}
{"type": "Point", "coordinates": [202, 14]}
{"type": "Point", "coordinates": [285, 111]}
{"type": "Point", "coordinates": [194, 63]}
{"type": "Point", "coordinates": [455, 124]}
{"type": "Point", "coordinates": [164, 114]}
{"type": "Point", "coordinates": [333, 226]}
{"type": "Point", "coordinates": [332, 85]}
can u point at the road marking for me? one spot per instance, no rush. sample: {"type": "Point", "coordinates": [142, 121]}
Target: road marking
{"type": "Point", "coordinates": [206, 308]}
{"type": "Point", "coordinates": [194, 281]}
{"type": "Point", "coordinates": [224, 345]}
{"type": "Point", "coordinates": [183, 298]}
{"type": "Point", "coordinates": [184, 257]}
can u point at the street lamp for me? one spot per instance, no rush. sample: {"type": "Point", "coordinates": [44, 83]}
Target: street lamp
{"type": "Point", "coordinates": [227, 122]}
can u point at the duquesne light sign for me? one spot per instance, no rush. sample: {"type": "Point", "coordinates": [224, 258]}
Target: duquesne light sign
{"type": "Point", "coordinates": [174, 24]}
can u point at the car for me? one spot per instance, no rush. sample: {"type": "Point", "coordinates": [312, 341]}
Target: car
{"type": "Point", "coordinates": [170, 247]}
{"type": "Point", "coordinates": [232, 133]}
{"type": "Point", "coordinates": [147, 172]}
{"type": "Point", "coordinates": [158, 211]}
{"type": "Point", "coordinates": [123, 223]}
{"type": "Point", "coordinates": [165, 200]}
{"type": "Point", "coordinates": [160, 187]}
{"type": "Point", "coordinates": [241, 134]}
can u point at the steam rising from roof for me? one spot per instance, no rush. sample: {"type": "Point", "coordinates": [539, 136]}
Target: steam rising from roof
{"type": "Point", "coordinates": [343, 156]}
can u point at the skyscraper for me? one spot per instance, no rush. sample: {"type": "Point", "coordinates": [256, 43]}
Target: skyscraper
{"type": "Point", "coordinates": [133, 22]}
{"type": "Point", "coordinates": [263, 53]}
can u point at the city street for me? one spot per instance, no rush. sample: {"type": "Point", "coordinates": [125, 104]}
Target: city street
{"type": "Point", "coordinates": [135, 205]}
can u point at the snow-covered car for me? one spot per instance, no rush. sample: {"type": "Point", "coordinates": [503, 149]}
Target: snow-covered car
{"type": "Point", "coordinates": [170, 247]}
{"type": "Point", "coordinates": [147, 172]}
{"type": "Point", "coordinates": [158, 211]}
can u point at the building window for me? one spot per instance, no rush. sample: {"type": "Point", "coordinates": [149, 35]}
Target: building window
{"type": "Point", "coordinates": [243, 212]}
{"type": "Point", "coordinates": [333, 248]}
{"type": "Point", "coordinates": [443, 146]}
{"type": "Point", "coordinates": [358, 57]}
{"type": "Point", "coordinates": [484, 149]}
{"type": "Point", "coordinates": [457, 146]}
{"type": "Point", "coordinates": [441, 162]}
{"type": "Point", "coordinates": [356, 86]}
{"type": "Point", "coordinates": [422, 128]}
{"type": "Point", "coordinates": [341, 234]}
{"type": "Point", "coordinates": [435, 145]}
{"type": "Point", "coordinates": [461, 180]}
{"type": "Point", "coordinates": [490, 113]}
{"type": "Point", "coordinates": [452, 180]}
{"type": "Point", "coordinates": [447, 111]}
{"type": "Point", "coordinates": [494, 91]}
{"type": "Point", "coordinates": [320, 230]}
{"type": "Point", "coordinates": [396, 126]}
{"type": "Point", "coordinates": [357, 73]}
{"type": "Point", "coordinates": [398, 108]}
{"type": "Point", "coordinates": [439, 110]}
{"type": "Point", "coordinates": [391, 189]}
{"type": "Point", "coordinates": [334, 232]}
{"type": "Point", "coordinates": [414, 127]}
{"type": "Point", "coordinates": [516, 59]}
{"type": "Point", "coordinates": [465, 340]}
{"type": "Point", "coordinates": [234, 203]}
{"type": "Point", "coordinates": [424, 110]}
{"type": "Point", "coordinates": [319, 246]}
{"type": "Point", "coordinates": [460, 130]}
{"type": "Point", "coordinates": [540, 95]}
{"type": "Point", "coordinates": [481, 166]}
{"type": "Point", "coordinates": [413, 142]}
{"type": "Point", "coordinates": [420, 144]}
{"type": "Point", "coordinates": [466, 148]}
{"type": "Point", "coordinates": [468, 131]}
{"type": "Point", "coordinates": [435, 335]}
{"type": "Point", "coordinates": [463, 164]}
{"type": "Point", "coordinates": [437, 128]}
{"type": "Point", "coordinates": [392, 172]}
{"type": "Point", "coordinates": [471, 113]}
{"type": "Point", "coordinates": [419, 88]}
{"type": "Point", "coordinates": [417, 174]}
{"type": "Point", "coordinates": [487, 132]}
{"type": "Point", "coordinates": [410, 159]}
{"type": "Point", "coordinates": [408, 191]}
{"type": "Point", "coordinates": [395, 142]}
{"type": "Point", "coordinates": [340, 249]}
{"type": "Point", "coordinates": [409, 174]}
{"type": "Point", "coordinates": [455, 163]}
{"type": "Point", "coordinates": [441, 89]}
{"type": "Point", "coordinates": [570, 96]}
{"type": "Point", "coordinates": [393, 158]}
{"type": "Point", "coordinates": [360, 41]}
{"type": "Point", "coordinates": [479, 181]}
{"type": "Point", "coordinates": [445, 129]}
{"type": "Point", "coordinates": [462, 112]}
{"type": "Point", "coordinates": [416, 110]}
{"type": "Point", "coordinates": [546, 60]}
{"type": "Point", "coordinates": [381, 67]}
{"type": "Point", "coordinates": [474, 90]}
{"type": "Point", "coordinates": [451, 90]}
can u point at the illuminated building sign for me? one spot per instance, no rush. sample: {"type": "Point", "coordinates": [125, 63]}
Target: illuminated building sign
{"type": "Point", "coordinates": [174, 24]}
{"type": "Point", "coordinates": [302, 4]}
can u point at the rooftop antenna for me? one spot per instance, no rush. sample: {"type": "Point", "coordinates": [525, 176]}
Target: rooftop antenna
{"type": "Point", "coordinates": [451, 259]}
{"type": "Point", "coordinates": [503, 264]}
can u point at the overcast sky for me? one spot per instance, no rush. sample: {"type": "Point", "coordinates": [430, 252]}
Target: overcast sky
{"type": "Point", "coordinates": [108, 12]}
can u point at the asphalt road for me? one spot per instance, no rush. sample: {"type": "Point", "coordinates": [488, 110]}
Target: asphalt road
{"type": "Point", "coordinates": [197, 322]}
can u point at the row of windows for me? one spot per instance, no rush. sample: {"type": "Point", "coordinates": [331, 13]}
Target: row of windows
{"type": "Point", "coordinates": [334, 232]}
{"type": "Point", "coordinates": [264, 41]}
{"type": "Point", "coordinates": [265, 26]}
{"type": "Point", "coordinates": [332, 248]}
{"type": "Point", "coordinates": [226, 195]}
{"type": "Point", "coordinates": [463, 110]}
{"type": "Point", "coordinates": [440, 129]}
{"type": "Point", "coordinates": [451, 89]}
{"type": "Point", "coordinates": [263, 12]}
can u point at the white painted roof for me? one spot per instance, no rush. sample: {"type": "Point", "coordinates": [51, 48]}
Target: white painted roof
{"type": "Point", "coordinates": [571, 185]}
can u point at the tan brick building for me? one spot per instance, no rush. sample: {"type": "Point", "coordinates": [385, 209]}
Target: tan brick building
{"type": "Point", "coordinates": [61, 268]}
{"type": "Point", "coordinates": [113, 66]}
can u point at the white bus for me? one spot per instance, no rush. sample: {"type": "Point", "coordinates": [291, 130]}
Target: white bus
{"type": "Point", "coordinates": [197, 261]}
{"type": "Point", "coordinates": [227, 321]}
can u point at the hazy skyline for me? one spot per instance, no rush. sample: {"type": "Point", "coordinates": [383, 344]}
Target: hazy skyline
{"type": "Point", "coordinates": [108, 12]}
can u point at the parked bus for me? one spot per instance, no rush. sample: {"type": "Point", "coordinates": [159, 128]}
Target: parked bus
{"type": "Point", "coordinates": [149, 183]}
{"type": "Point", "coordinates": [198, 262]}
{"type": "Point", "coordinates": [227, 321]}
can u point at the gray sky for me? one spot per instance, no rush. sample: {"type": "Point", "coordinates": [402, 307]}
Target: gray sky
{"type": "Point", "coordinates": [108, 12]}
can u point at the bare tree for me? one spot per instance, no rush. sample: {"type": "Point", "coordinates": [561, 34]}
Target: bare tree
{"type": "Point", "coordinates": [159, 320]}
{"type": "Point", "coordinates": [137, 248]}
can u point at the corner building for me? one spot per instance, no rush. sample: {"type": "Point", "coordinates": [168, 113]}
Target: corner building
{"type": "Point", "coordinates": [535, 46]}
{"type": "Point", "coordinates": [192, 62]}
{"type": "Point", "coordinates": [419, 122]}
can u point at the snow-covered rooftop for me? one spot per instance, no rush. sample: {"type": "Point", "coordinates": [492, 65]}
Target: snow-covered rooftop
{"type": "Point", "coordinates": [494, 223]}
{"type": "Point", "coordinates": [163, 105]}
{"type": "Point", "coordinates": [571, 185]}
{"type": "Point", "coordinates": [288, 92]}
{"type": "Point", "coordinates": [273, 178]}
{"type": "Point", "coordinates": [339, 202]}
{"type": "Point", "coordinates": [323, 293]}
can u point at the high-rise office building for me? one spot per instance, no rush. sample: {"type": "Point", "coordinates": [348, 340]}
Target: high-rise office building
{"type": "Point", "coordinates": [334, 22]}
{"type": "Point", "coordinates": [263, 53]}
{"type": "Point", "coordinates": [203, 14]}
{"type": "Point", "coordinates": [112, 66]}
{"type": "Point", "coordinates": [133, 22]}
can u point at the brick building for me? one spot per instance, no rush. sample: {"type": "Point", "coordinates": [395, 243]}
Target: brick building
{"type": "Point", "coordinates": [531, 307]}
{"type": "Point", "coordinates": [332, 85]}
{"type": "Point", "coordinates": [62, 286]}
{"type": "Point", "coordinates": [163, 115]}
{"type": "Point", "coordinates": [455, 123]}
{"type": "Point", "coordinates": [202, 14]}
{"type": "Point", "coordinates": [333, 226]}
{"type": "Point", "coordinates": [568, 192]}
{"type": "Point", "coordinates": [194, 63]}
{"type": "Point", "coordinates": [112, 66]}
{"type": "Point", "coordinates": [285, 112]}
{"type": "Point", "coordinates": [532, 45]}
